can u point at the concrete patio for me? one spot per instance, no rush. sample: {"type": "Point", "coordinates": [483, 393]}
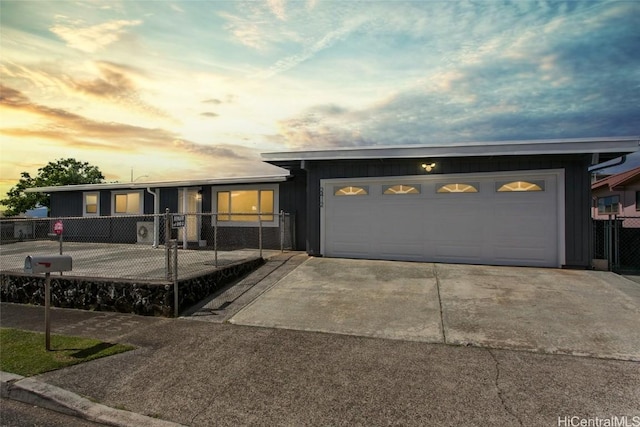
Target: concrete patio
{"type": "Point", "coordinates": [123, 261]}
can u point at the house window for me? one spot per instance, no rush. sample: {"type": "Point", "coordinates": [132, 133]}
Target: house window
{"type": "Point", "coordinates": [401, 189]}
{"type": "Point", "coordinates": [244, 205]}
{"type": "Point", "coordinates": [90, 204]}
{"type": "Point", "coordinates": [458, 188]}
{"type": "Point", "coordinates": [127, 203]}
{"type": "Point", "coordinates": [519, 186]}
{"type": "Point", "coordinates": [351, 191]}
{"type": "Point", "coordinates": [608, 205]}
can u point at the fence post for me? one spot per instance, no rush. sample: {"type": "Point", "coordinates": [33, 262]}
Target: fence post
{"type": "Point", "coordinates": [260, 231]}
{"type": "Point", "coordinates": [609, 243]}
{"type": "Point", "coordinates": [215, 239]}
{"type": "Point", "coordinates": [281, 231]}
{"type": "Point", "coordinates": [176, 299]}
{"type": "Point", "coordinates": [167, 243]}
{"type": "Point", "coordinates": [292, 230]}
{"type": "Point", "coordinates": [616, 242]}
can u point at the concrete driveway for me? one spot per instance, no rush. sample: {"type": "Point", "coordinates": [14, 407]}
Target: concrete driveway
{"type": "Point", "coordinates": [544, 310]}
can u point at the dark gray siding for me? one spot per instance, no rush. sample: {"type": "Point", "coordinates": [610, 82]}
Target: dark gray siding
{"type": "Point", "coordinates": [577, 189]}
{"type": "Point", "coordinates": [66, 204]}
{"type": "Point", "coordinates": [293, 200]}
{"type": "Point", "coordinates": [105, 203]}
{"type": "Point", "coordinates": [168, 199]}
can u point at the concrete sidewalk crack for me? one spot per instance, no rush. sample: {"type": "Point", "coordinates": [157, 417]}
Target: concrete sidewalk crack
{"type": "Point", "coordinates": [444, 334]}
{"type": "Point", "coordinates": [499, 391]}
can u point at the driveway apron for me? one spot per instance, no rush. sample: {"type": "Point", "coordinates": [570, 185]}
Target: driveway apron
{"type": "Point", "coordinates": [384, 299]}
{"type": "Point", "coordinates": [583, 313]}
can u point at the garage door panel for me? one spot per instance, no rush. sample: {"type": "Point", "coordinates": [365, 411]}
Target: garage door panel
{"type": "Point", "coordinates": [516, 254]}
{"type": "Point", "coordinates": [460, 251]}
{"type": "Point", "coordinates": [406, 252]}
{"type": "Point", "coordinates": [514, 227]}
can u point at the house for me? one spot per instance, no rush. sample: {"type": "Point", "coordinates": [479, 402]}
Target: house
{"type": "Point", "coordinates": [617, 194]}
{"type": "Point", "coordinates": [520, 203]}
{"type": "Point", "coordinates": [130, 204]}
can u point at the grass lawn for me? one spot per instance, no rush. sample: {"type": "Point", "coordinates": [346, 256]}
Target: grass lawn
{"type": "Point", "coordinates": [23, 352]}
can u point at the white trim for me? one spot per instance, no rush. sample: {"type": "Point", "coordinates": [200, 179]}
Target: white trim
{"type": "Point", "coordinates": [470, 149]}
{"type": "Point", "coordinates": [562, 240]}
{"type": "Point", "coordinates": [326, 186]}
{"type": "Point", "coordinates": [113, 202]}
{"type": "Point", "coordinates": [256, 187]}
{"type": "Point", "coordinates": [193, 233]}
{"type": "Point", "coordinates": [161, 184]}
{"type": "Point", "coordinates": [84, 204]}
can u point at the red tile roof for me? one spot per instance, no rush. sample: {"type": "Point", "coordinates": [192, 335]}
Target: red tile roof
{"type": "Point", "coordinates": [618, 180]}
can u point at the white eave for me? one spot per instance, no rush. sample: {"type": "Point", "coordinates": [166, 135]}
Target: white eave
{"type": "Point", "coordinates": [160, 184]}
{"type": "Point", "coordinates": [470, 149]}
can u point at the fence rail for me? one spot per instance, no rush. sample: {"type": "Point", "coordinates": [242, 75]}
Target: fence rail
{"type": "Point", "coordinates": [617, 241]}
{"type": "Point", "coordinates": [137, 246]}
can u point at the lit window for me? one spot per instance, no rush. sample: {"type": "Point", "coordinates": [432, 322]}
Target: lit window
{"type": "Point", "coordinates": [90, 203]}
{"type": "Point", "coordinates": [351, 191]}
{"type": "Point", "coordinates": [244, 205]}
{"type": "Point", "coordinates": [127, 203]}
{"type": "Point", "coordinates": [608, 205]}
{"type": "Point", "coordinates": [401, 189]}
{"type": "Point", "coordinates": [457, 188]}
{"type": "Point", "coordinates": [520, 186]}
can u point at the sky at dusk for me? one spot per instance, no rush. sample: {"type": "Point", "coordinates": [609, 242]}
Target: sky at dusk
{"type": "Point", "coordinates": [198, 89]}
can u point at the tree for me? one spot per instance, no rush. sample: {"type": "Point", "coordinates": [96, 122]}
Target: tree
{"type": "Point", "coordinates": [61, 172]}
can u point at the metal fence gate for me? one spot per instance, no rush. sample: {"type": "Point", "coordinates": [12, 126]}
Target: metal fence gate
{"type": "Point", "coordinates": [617, 241]}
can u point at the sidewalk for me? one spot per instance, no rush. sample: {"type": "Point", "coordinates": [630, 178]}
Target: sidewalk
{"type": "Point", "coordinates": [202, 373]}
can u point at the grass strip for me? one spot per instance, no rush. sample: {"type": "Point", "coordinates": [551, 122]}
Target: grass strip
{"type": "Point", "coordinates": [23, 352]}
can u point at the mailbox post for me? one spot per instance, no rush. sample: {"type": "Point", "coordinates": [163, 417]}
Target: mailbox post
{"type": "Point", "coordinates": [47, 264]}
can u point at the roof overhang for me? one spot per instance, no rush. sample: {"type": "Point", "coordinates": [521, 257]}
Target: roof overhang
{"type": "Point", "coordinates": [607, 149]}
{"type": "Point", "coordinates": [161, 184]}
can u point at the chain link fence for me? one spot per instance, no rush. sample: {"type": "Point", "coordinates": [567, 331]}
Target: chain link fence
{"type": "Point", "coordinates": [137, 247]}
{"type": "Point", "coordinates": [617, 241]}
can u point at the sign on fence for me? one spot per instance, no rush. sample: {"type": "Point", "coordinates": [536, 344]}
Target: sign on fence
{"type": "Point", "coordinates": [177, 221]}
{"type": "Point", "coordinates": [58, 228]}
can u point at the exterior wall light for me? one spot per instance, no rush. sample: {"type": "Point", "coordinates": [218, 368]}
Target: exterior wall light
{"type": "Point", "coordinates": [428, 166]}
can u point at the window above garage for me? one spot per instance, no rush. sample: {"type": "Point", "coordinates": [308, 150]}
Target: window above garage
{"type": "Point", "coordinates": [350, 190]}
{"type": "Point", "coordinates": [519, 186]}
{"type": "Point", "coordinates": [458, 188]}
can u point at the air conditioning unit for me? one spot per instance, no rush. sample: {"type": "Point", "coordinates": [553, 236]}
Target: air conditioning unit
{"type": "Point", "coordinates": [144, 232]}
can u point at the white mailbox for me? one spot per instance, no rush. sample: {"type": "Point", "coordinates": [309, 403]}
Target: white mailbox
{"type": "Point", "coordinates": [47, 264]}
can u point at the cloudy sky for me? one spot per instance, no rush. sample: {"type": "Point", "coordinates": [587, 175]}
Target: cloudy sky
{"type": "Point", "coordinates": [194, 89]}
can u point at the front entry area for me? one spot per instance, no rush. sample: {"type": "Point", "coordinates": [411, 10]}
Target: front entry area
{"type": "Point", "coordinates": [514, 218]}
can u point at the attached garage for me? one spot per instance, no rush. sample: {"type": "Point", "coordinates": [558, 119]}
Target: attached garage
{"type": "Point", "coordinates": [524, 203]}
{"type": "Point", "coordinates": [488, 218]}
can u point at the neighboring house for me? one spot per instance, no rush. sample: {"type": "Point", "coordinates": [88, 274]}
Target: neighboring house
{"type": "Point", "coordinates": [617, 194]}
{"type": "Point", "coordinates": [502, 203]}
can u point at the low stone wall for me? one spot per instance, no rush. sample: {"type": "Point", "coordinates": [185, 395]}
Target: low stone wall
{"type": "Point", "coordinates": [125, 296]}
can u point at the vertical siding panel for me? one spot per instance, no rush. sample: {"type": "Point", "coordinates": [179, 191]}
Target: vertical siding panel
{"type": "Point", "coordinates": [105, 203]}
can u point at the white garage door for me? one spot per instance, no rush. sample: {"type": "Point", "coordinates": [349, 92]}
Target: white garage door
{"type": "Point", "coordinates": [511, 218]}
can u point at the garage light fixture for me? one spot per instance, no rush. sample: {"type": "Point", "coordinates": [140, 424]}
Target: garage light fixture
{"type": "Point", "coordinates": [428, 166]}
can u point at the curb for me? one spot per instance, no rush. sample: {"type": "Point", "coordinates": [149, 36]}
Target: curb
{"type": "Point", "coordinates": [38, 393]}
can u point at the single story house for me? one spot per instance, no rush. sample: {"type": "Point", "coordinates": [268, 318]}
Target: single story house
{"type": "Point", "coordinates": [617, 194]}
{"type": "Point", "coordinates": [523, 203]}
